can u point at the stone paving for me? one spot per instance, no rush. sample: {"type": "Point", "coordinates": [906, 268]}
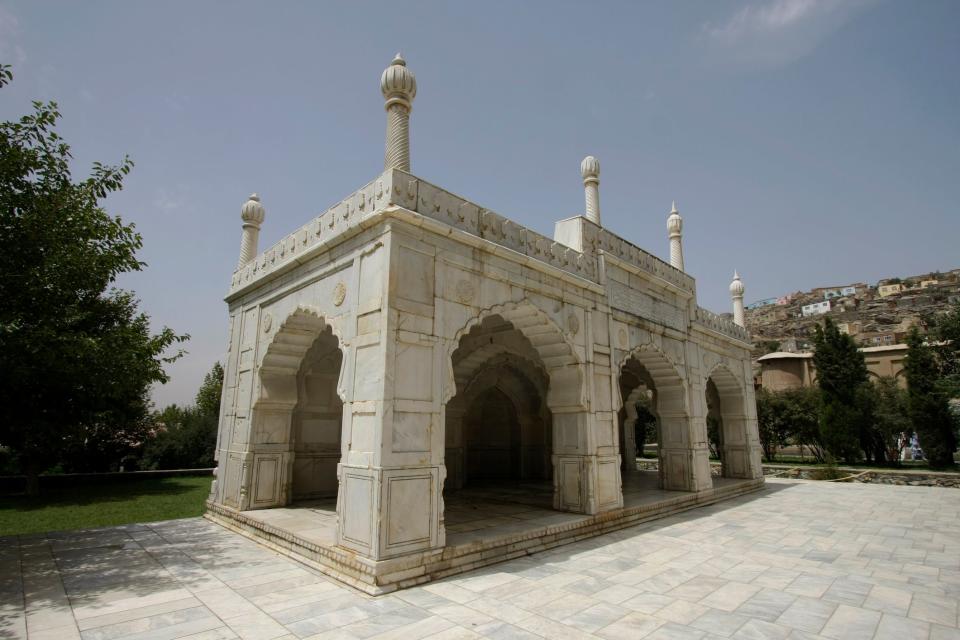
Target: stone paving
{"type": "Point", "coordinates": [796, 560]}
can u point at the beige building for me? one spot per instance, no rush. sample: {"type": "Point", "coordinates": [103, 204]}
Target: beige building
{"type": "Point", "coordinates": [782, 370]}
{"type": "Point", "coordinates": [885, 290]}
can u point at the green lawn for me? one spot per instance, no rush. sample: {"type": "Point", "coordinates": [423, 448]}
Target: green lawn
{"type": "Point", "coordinates": [102, 505]}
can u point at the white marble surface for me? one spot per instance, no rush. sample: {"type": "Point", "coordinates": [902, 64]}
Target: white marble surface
{"type": "Point", "coordinates": [745, 568]}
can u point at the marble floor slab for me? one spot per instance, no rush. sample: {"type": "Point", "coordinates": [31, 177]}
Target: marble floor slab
{"type": "Point", "coordinates": [794, 560]}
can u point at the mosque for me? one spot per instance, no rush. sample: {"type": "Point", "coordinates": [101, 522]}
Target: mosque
{"type": "Point", "coordinates": [417, 386]}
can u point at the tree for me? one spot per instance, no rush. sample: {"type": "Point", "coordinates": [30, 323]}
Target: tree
{"type": "Point", "coordinates": [77, 358]}
{"type": "Point", "coordinates": [929, 410]}
{"type": "Point", "coordinates": [841, 374]}
{"type": "Point", "coordinates": [892, 416]}
{"type": "Point", "coordinates": [185, 437]}
{"type": "Point", "coordinates": [769, 346]}
{"type": "Point", "coordinates": [945, 332]}
{"type": "Point", "coordinates": [791, 415]}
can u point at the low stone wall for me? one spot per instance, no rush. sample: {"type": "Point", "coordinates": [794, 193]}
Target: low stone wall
{"type": "Point", "coordinates": [913, 479]}
{"type": "Point", "coordinates": [901, 477]}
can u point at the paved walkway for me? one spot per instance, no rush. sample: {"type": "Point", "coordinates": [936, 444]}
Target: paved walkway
{"type": "Point", "coordinates": [797, 560]}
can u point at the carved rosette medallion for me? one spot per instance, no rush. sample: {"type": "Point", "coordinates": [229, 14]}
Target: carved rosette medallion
{"type": "Point", "coordinates": [339, 294]}
{"type": "Point", "coordinates": [464, 291]}
{"type": "Point", "coordinates": [267, 322]}
{"type": "Point", "coordinates": [573, 322]}
{"type": "Point", "coordinates": [623, 338]}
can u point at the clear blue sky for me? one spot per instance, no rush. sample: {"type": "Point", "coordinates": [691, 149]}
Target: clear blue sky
{"type": "Point", "coordinates": [807, 142]}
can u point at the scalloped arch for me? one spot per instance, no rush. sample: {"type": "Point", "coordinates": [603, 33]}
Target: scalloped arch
{"type": "Point", "coordinates": [293, 339]}
{"type": "Point", "coordinates": [668, 379]}
{"type": "Point", "coordinates": [728, 385]}
{"type": "Point", "coordinates": [548, 340]}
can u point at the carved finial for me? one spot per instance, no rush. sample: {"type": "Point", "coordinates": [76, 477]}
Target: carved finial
{"type": "Point", "coordinates": [252, 211]}
{"type": "Point", "coordinates": [399, 87]}
{"type": "Point", "coordinates": [590, 169]}
{"type": "Point", "coordinates": [675, 229]}
{"type": "Point", "coordinates": [736, 292]}
{"type": "Point", "coordinates": [398, 84]}
{"type": "Point", "coordinates": [736, 287]}
{"type": "Point", "coordinates": [590, 172]}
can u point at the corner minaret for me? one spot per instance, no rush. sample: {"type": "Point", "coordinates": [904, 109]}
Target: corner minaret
{"type": "Point", "coordinates": [590, 171]}
{"type": "Point", "coordinates": [675, 227]}
{"type": "Point", "coordinates": [736, 292]}
{"type": "Point", "coordinates": [399, 87]}
{"type": "Point", "coordinates": [252, 215]}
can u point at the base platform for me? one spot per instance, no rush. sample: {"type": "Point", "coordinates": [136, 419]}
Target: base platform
{"type": "Point", "coordinates": [484, 525]}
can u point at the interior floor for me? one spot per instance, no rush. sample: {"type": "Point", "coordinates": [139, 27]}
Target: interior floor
{"type": "Point", "coordinates": [488, 510]}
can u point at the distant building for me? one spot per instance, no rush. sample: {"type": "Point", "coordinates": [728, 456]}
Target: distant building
{"type": "Point", "coordinates": [815, 309]}
{"type": "Point", "coordinates": [928, 283]}
{"type": "Point", "coordinates": [761, 303]}
{"type": "Point", "coordinates": [850, 328]}
{"type": "Point", "coordinates": [885, 290]}
{"type": "Point", "coordinates": [782, 370]}
{"type": "Point", "coordinates": [839, 293]}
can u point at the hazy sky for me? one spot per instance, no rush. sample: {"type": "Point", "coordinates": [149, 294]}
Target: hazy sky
{"type": "Point", "coordinates": [806, 142]}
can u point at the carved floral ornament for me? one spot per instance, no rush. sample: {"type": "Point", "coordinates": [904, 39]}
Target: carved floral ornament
{"type": "Point", "coordinates": [339, 294]}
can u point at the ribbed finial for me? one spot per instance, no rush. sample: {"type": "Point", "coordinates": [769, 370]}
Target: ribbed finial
{"type": "Point", "coordinates": [252, 211]}
{"type": "Point", "coordinates": [590, 168]}
{"type": "Point", "coordinates": [674, 221]}
{"type": "Point", "coordinates": [398, 84]}
{"type": "Point", "coordinates": [252, 214]}
{"type": "Point", "coordinates": [736, 287]}
{"type": "Point", "coordinates": [590, 172]}
{"type": "Point", "coordinates": [675, 229]}
{"type": "Point", "coordinates": [399, 87]}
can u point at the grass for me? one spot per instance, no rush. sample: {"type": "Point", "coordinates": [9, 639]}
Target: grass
{"type": "Point", "coordinates": [102, 505]}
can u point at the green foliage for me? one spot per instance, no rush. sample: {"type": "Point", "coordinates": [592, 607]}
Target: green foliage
{"type": "Point", "coordinates": [77, 358]}
{"type": "Point", "coordinates": [645, 429]}
{"type": "Point", "coordinates": [789, 416]}
{"type": "Point", "coordinates": [185, 437]}
{"type": "Point", "coordinates": [929, 409]}
{"type": "Point", "coordinates": [892, 416]}
{"type": "Point", "coordinates": [945, 332]}
{"type": "Point", "coordinates": [769, 346]}
{"type": "Point", "coordinates": [845, 419]}
{"type": "Point", "coordinates": [714, 435]}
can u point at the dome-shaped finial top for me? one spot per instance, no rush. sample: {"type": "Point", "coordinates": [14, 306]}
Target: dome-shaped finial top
{"type": "Point", "coordinates": [398, 84]}
{"type": "Point", "coordinates": [590, 169]}
{"type": "Point", "coordinates": [736, 287]}
{"type": "Point", "coordinates": [252, 211]}
{"type": "Point", "coordinates": [674, 221]}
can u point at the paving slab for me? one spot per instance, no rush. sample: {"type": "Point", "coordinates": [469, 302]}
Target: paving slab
{"type": "Point", "coordinates": [795, 560]}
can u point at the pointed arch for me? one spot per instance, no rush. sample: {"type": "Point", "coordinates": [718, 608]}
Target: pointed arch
{"type": "Point", "coordinates": [734, 420]}
{"type": "Point", "coordinates": [284, 354]}
{"type": "Point", "coordinates": [552, 346]}
{"type": "Point", "coordinates": [647, 364]}
{"type": "Point", "coordinates": [667, 377]}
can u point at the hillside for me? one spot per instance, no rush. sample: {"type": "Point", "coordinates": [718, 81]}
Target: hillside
{"type": "Point", "coordinates": [874, 315]}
